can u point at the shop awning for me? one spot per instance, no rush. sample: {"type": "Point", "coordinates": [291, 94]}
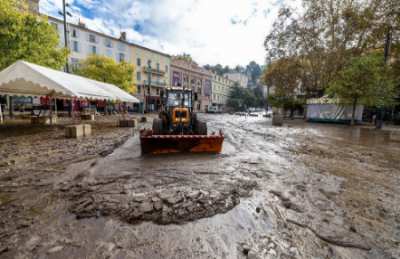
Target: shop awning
{"type": "Point", "coordinates": [24, 78]}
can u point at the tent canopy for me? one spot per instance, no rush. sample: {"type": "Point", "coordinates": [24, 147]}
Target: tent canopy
{"type": "Point", "coordinates": [24, 78]}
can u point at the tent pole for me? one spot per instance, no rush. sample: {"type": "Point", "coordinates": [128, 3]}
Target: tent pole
{"type": "Point", "coordinates": [51, 113]}
{"type": "Point", "coordinates": [1, 115]}
{"type": "Point", "coordinates": [11, 108]}
{"type": "Point", "coordinates": [55, 106]}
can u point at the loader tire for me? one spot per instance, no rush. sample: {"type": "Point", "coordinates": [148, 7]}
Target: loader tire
{"type": "Point", "coordinates": [201, 128]}
{"type": "Point", "coordinates": [157, 126]}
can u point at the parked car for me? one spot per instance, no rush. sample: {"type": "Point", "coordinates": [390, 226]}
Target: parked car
{"type": "Point", "coordinates": [267, 114]}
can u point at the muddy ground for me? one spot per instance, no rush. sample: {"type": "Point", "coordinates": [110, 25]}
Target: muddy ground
{"type": "Point", "coordinates": [297, 191]}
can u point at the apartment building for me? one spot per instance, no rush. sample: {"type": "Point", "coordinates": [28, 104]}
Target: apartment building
{"type": "Point", "coordinates": [152, 68]}
{"type": "Point", "coordinates": [240, 78]}
{"type": "Point", "coordinates": [152, 76]}
{"type": "Point", "coordinates": [189, 75]}
{"type": "Point", "coordinates": [84, 42]}
{"type": "Point", "coordinates": [221, 88]}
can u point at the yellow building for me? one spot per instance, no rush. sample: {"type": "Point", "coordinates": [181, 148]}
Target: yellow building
{"type": "Point", "coordinates": [221, 88]}
{"type": "Point", "coordinates": [152, 75]}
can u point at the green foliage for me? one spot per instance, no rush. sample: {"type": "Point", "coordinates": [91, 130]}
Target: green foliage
{"type": "Point", "coordinates": [106, 70]}
{"type": "Point", "coordinates": [185, 57]}
{"type": "Point", "coordinates": [284, 78]}
{"type": "Point", "coordinates": [240, 99]}
{"type": "Point", "coordinates": [218, 69]}
{"type": "Point", "coordinates": [24, 36]}
{"type": "Point", "coordinates": [365, 80]}
{"type": "Point", "coordinates": [253, 70]}
{"type": "Point", "coordinates": [327, 33]}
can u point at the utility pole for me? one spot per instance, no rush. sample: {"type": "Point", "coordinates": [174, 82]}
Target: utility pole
{"type": "Point", "coordinates": [65, 34]}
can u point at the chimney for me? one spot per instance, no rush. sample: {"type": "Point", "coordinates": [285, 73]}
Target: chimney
{"type": "Point", "coordinates": [81, 24]}
{"type": "Point", "coordinates": [123, 36]}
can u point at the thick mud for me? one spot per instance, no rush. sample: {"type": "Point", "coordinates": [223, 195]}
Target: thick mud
{"type": "Point", "coordinates": [298, 191]}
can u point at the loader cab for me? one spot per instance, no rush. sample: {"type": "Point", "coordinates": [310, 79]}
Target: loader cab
{"type": "Point", "coordinates": [177, 111]}
{"type": "Point", "coordinates": [177, 98]}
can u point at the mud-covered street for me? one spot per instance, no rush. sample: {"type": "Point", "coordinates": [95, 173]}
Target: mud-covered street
{"type": "Point", "coordinates": [297, 191]}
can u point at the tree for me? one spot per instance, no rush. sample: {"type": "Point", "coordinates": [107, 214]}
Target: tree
{"type": "Point", "coordinates": [240, 99]}
{"type": "Point", "coordinates": [327, 33]}
{"type": "Point", "coordinates": [185, 57]}
{"type": "Point", "coordinates": [24, 36]}
{"type": "Point", "coordinates": [218, 69]}
{"type": "Point", "coordinates": [365, 80]}
{"type": "Point", "coordinates": [254, 72]}
{"type": "Point", "coordinates": [284, 76]}
{"type": "Point", "coordinates": [106, 70]}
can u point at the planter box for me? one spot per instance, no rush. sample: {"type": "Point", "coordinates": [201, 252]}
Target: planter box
{"type": "Point", "coordinates": [45, 120]}
{"type": "Point", "coordinates": [87, 130]}
{"type": "Point", "coordinates": [277, 117]}
{"type": "Point", "coordinates": [87, 117]}
{"type": "Point", "coordinates": [74, 131]}
{"type": "Point", "coordinates": [127, 123]}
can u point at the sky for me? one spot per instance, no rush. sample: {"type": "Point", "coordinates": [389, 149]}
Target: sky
{"type": "Point", "coordinates": [227, 32]}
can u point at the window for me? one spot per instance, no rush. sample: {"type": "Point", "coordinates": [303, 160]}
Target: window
{"type": "Point", "coordinates": [158, 66]}
{"type": "Point", "coordinates": [93, 50]}
{"type": "Point", "coordinates": [138, 76]}
{"type": "Point", "coordinates": [109, 53]}
{"type": "Point", "coordinates": [166, 68]}
{"type": "Point", "coordinates": [75, 63]}
{"type": "Point", "coordinates": [121, 46]}
{"type": "Point", "coordinates": [92, 38]}
{"type": "Point", "coordinates": [74, 33]}
{"type": "Point", "coordinates": [108, 43]}
{"type": "Point", "coordinates": [138, 89]}
{"type": "Point", "coordinates": [121, 57]}
{"type": "Point", "coordinates": [75, 46]}
{"type": "Point", "coordinates": [138, 62]}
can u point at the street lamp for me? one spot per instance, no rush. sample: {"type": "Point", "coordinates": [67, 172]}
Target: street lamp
{"type": "Point", "coordinates": [149, 86]}
{"type": "Point", "coordinates": [64, 13]}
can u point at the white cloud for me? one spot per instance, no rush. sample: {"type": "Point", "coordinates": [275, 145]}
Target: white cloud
{"type": "Point", "coordinates": [229, 32]}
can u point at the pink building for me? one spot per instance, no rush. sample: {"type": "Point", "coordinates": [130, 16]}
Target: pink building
{"type": "Point", "coordinates": [189, 75]}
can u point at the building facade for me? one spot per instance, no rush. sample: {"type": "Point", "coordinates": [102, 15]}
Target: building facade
{"type": "Point", "coordinates": [84, 42]}
{"type": "Point", "coordinates": [187, 74]}
{"type": "Point", "coordinates": [152, 68]}
{"type": "Point", "coordinates": [152, 75]}
{"type": "Point", "coordinates": [221, 88]}
{"type": "Point", "coordinates": [33, 5]}
{"type": "Point", "coordinates": [240, 78]}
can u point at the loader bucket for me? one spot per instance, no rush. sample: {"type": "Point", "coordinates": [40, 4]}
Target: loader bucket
{"type": "Point", "coordinates": [166, 144]}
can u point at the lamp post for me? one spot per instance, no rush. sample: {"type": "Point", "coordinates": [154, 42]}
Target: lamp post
{"type": "Point", "coordinates": [65, 35]}
{"type": "Point", "coordinates": [149, 86]}
{"type": "Point", "coordinates": [64, 13]}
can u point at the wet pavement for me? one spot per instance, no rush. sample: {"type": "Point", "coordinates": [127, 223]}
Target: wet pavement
{"type": "Point", "coordinates": [297, 191]}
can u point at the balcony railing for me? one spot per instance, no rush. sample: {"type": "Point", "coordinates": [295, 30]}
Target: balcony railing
{"type": "Point", "coordinates": [153, 71]}
{"type": "Point", "coordinates": [155, 83]}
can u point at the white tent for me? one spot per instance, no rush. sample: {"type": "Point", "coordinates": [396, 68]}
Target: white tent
{"type": "Point", "coordinates": [24, 78]}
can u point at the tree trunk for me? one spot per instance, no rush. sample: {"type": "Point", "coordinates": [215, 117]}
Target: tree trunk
{"type": "Point", "coordinates": [353, 114]}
